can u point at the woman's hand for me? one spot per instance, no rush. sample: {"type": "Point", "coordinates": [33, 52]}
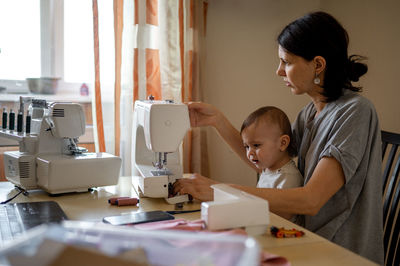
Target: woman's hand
{"type": "Point", "coordinates": [197, 185]}
{"type": "Point", "coordinates": [203, 114]}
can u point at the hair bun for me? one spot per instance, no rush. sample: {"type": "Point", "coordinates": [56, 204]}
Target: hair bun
{"type": "Point", "coordinates": [356, 69]}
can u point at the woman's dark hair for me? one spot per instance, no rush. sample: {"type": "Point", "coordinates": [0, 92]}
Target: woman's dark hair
{"type": "Point", "coordinates": [320, 34]}
{"type": "Point", "coordinates": [277, 117]}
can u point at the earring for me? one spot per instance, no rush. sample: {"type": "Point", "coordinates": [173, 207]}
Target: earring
{"type": "Point", "coordinates": [317, 80]}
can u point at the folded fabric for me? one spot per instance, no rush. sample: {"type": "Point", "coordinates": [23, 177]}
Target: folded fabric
{"type": "Point", "coordinates": [178, 224]}
{"type": "Point", "coordinates": [266, 259]}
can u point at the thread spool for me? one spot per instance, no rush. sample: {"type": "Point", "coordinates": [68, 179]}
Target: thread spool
{"type": "Point", "coordinates": [28, 123]}
{"type": "Point", "coordinates": [4, 118]}
{"type": "Point", "coordinates": [12, 120]}
{"type": "Point", "coordinates": [113, 201]}
{"type": "Point", "coordinates": [127, 202]}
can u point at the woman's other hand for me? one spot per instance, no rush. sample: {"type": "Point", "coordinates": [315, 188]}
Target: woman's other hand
{"type": "Point", "coordinates": [203, 114]}
{"type": "Point", "coordinates": [196, 185]}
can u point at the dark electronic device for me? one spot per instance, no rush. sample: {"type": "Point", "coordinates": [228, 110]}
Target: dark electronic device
{"type": "Point", "coordinates": [138, 218]}
{"type": "Point", "coordinates": [16, 218]}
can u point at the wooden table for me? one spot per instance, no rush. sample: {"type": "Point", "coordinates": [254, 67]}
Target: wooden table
{"type": "Point", "coordinates": [310, 249]}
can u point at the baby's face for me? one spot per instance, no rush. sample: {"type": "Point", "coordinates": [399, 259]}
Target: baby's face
{"type": "Point", "coordinates": [262, 143]}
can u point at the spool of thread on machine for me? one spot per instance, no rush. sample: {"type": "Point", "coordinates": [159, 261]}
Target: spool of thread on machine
{"type": "Point", "coordinates": [4, 118]}
{"type": "Point", "coordinates": [20, 121]}
{"type": "Point", "coordinates": [12, 120]}
{"type": "Point", "coordinates": [28, 123]}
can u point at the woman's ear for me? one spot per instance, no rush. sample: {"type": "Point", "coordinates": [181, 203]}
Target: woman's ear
{"type": "Point", "coordinates": [320, 64]}
{"type": "Point", "coordinates": [284, 142]}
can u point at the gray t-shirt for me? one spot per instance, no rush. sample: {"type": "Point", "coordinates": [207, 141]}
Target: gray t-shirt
{"type": "Point", "coordinates": [348, 130]}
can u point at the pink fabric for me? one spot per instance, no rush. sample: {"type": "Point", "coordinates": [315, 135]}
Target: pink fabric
{"type": "Point", "coordinates": [178, 224]}
{"type": "Point", "coordinates": [267, 259]}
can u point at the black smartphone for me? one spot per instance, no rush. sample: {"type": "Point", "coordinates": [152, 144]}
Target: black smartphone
{"type": "Point", "coordinates": [138, 218]}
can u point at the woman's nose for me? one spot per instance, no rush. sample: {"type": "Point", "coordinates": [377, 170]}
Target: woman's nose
{"type": "Point", "coordinates": [280, 71]}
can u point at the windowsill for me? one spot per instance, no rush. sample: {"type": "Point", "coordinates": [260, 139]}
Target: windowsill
{"type": "Point", "coordinates": [86, 138]}
{"type": "Point", "coordinates": [66, 92]}
{"type": "Point", "coordinates": [62, 96]}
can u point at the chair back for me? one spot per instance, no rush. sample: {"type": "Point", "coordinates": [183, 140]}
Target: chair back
{"type": "Point", "coordinates": [391, 191]}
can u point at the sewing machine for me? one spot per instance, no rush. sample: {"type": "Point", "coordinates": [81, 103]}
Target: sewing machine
{"type": "Point", "coordinates": [159, 127]}
{"type": "Point", "coordinates": [49, 157]}
{"type": "Point", "coordinates": [234, 208]}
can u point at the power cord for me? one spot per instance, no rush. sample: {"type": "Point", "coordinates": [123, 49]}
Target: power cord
{"type": "Point", "coordinates": [182, 211]}
{"type": "Point", "coordinates": [20, 190]}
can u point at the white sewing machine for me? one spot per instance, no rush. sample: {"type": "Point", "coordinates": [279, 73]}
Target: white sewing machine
{"type": "Point", "coordinates": [234, 208]}
{"type": "Point", "coordinates": [159, 127]}
{"type": "Point", "coordinates": [48, 156]}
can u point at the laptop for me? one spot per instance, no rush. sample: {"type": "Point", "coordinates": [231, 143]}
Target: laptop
{"type": "Point", "coordinates": [17, 218]}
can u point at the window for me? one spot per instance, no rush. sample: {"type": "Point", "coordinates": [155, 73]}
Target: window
{"type": "Point", "coordinates": [78, 41]}
{"type": "Point", "coordinates": [19, 39]}
{"type": "Point", "coordinates": [52, 38]}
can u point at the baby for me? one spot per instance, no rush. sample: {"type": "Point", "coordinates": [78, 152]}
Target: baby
{"type": "Point", "coordinates": [267, 137]}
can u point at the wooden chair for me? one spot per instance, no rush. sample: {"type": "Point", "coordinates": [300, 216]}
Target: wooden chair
{"type": "Point", "coordinates": [391, 195]}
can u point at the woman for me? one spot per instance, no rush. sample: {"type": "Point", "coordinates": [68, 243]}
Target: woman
{"type": "Point", "coordinates": [337, 137]}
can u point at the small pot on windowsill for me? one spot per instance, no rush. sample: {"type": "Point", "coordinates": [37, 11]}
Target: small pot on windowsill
{"type": "Point", "coordinates": [42, 85]}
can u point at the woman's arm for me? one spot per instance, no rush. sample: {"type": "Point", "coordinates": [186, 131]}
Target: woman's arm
{"type": "Point", "coordinates": [202, 114]}
{"type": "Point", "coordinates": [232, 137]}
{"type": "Point", "coordinates": [327, 179]}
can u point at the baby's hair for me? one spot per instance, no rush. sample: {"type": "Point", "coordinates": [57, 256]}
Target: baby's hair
{"type": "Point", "coordinates": [275, 116]}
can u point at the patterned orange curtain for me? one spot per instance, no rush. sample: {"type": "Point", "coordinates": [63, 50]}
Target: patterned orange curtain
{"type": "Point", "coordinates": [118, 27]}
{"type": "Point", "coordinates": [97, 104]}
{"type": "Point", "coordinates": [195, 159]}
{"type": "Point", "coordinates": [155, 54]}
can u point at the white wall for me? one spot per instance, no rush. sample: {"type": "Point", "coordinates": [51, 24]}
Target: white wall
{"type": "Point", "coordinates": [241, 56]}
